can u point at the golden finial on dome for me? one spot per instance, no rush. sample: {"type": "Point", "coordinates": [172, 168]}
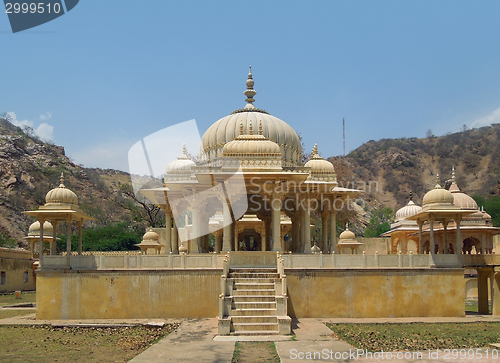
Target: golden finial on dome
{"type": "Point", "coordinates": [250, 92]}
{"type": "Point", "coordinates": [62, 181]}
{"type": "Point", "coordinates": [438, 186]}
{"type": "Point", "coordinates": [250, 128]}
{"type": "Point", "coordinates": [315, 149]}
{"type": "Point", "coordinates": [184, 155]}
{"type": "Point", "coordinates": [261, 131]}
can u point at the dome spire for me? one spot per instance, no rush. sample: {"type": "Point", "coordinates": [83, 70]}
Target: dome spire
{"type": "Point", "coordinates": [261, 130]}
{"type": "Point", "coordinates": [62, 181]}
{"type": "Point", "coordinates": [438, 186]}
{"type": "Point", "coordinates": [184, 155]}
{"type": "Point", "coordinates": [241, 128]}
{"type": "Point", "coordinates": [250, 128]}
{"type": "Point", "coordinates": [411, 195]}
{"type": "Point", "coordinates": [453, 175]}
{"type": "Point", "coordinates": [250, 92]}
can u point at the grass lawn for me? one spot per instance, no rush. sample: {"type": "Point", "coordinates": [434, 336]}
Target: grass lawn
{"type": "Point", "coordinates": [251, 352]}
{"type": "Point", "coordinates": [7, 313]}
{"type": "Point", "coordinates": [417, 336]}
{"type": "Point", "coordinates": [45, 343]}
{"type": "Point", "coordinates": [10, 299]}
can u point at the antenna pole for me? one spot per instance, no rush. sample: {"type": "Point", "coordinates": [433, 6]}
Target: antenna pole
{"type": "Point", "coordinates": [343, 132]}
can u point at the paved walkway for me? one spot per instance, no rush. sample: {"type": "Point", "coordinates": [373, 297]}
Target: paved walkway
{"type": "Point", "coordinates": [194, 341]}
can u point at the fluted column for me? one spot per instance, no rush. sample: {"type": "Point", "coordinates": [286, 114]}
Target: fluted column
{"type": "Point", "coordinates": [276, 221]}
{"type": "Point", "coordinates": [324, 232]}
{"type": "Point", "coordinates": [227, 238]}
{"type": "Point", "coordinates": [420, 238]}
{"type": "Point", "coordinates": [168, 232]}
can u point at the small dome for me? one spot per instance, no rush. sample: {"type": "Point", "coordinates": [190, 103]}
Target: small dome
{"type": "Point", "coordinates": [34, 229]}
{"type": "Point", "coordinates": [408, 210]}
{"type": "Point", "coordinates": [462, 200]}
{"type": "Point", "coordinates": [319, 165]}
{"type": "Point", "coordinates": [61, 195]}
{"type": "Point", "coordinates": [347, 234]}
{"type": "Point", "coordinates": [182, 165]}
{"type": "Point", "coordinates": [315, 250]}
{"type": "Point", "coordinates": [438, 195]}
{"type": "Point", "coordinates": [251, 145]}
{"type": "Point", "coordinates": [150, 236]}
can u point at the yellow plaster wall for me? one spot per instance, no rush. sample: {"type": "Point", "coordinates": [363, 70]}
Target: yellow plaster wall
{"type": "Point", "coordinates": [375, 293]}
{"type": "Point", "coordinates": [15, 263]}
{"type": "Point", "coordinates": [128, 294]}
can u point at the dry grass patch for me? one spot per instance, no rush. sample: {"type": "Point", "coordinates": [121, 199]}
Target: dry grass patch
{"type": "Point", "coordinates": [45, 343]}
{"type": "Point", "coordinates": [418, 336]}
{"type": "Point", "coordinates": [251, 352]}
{"type": "Point", "coordinates": [10, 299]}
{"type": "Point", "coordinates": [8, 313]}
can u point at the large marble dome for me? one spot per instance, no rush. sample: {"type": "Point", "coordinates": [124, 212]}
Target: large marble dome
{"type": "Point", "coordinates": [228, 128]}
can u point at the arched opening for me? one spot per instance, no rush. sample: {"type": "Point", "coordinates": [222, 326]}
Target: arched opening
{"type": "Point", "coordinates": [471, 245]}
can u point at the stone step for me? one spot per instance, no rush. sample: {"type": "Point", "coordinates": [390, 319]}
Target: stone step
{"type": "Point", "coordinates": [254, 275]}
{"type": "Point", "coordinates": [271, 292]}
{"type": "Point", "coordinates": [254, 298]}
{"type": "Point", "coordinates": [253, 312]}
{"type": "Point", "coordinates": [255, 332]}
{"type": "Point", "coordinates": [273, 270]}
{"type": "Point", "coordinates": [253, 285]}
{"type": "Point", "coordinates": [254, 280]}
{"type": "Point", "coordinates": [247, 305]}
{"type": "Point", "coordinates": [263, 327]}
{"type": "Point", "coordinates": [264, 319]}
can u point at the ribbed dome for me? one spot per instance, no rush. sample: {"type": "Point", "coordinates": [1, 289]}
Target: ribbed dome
{"type": "Point", "coordinates": [461, 199]}
{"type": "Point", "coordinates": [407, 211]}
{"type": "Point", "coordinates": [347, 235]}
{"type": "Point", "coordinates": [227, 129]}
{"type": "Point", "coordinates": [251, 145]}
{"type": "Point", "coordinates": [34, 229]}
{"type": "Point", "coordinates": [182, 165]}
{"type": "Point", "coordinates": [319, 165]}
{"type": "Point", "coordinates": [150, 236]}
{"type": "Point", "coordinates": [61, 195]}
{"type": "Point", "coordinates": [438, 195]}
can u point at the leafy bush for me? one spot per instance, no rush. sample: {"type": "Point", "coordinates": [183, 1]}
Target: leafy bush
{"type": "Point", "coordinates": [6, 241]}
{"type": "Point", "coordinates": [117, 237]}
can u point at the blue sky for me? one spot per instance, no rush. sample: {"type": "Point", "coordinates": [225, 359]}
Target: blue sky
{"type": "Point", "coordinates": [109, 73]}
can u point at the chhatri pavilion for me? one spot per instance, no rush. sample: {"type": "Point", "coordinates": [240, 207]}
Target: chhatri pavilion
{"type": "Point", "coordinates": [251, 191]}
{"type": "Point", "coordinates": [280, 192]}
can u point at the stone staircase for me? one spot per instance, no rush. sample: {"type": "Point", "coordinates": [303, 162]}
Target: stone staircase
{"type": "Point", "coordinates": [253, 303]}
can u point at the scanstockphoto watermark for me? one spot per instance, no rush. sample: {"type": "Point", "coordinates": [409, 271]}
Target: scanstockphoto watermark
{"type": "Point", "coordinates": [26, 14]}
{"type": "Point", "coordinates": [268, 187]}
{"type": "Point", "coordinates": [267, 194]}
{"type": "Point", "coordinates": [354, 354]}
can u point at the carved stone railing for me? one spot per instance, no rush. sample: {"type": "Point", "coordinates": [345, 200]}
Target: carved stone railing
{"type": "Point", "coordinates": [132, 261]}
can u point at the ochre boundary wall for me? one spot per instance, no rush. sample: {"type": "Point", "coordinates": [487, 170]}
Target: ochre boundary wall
{"type": "Point", "coordinates": [193, 293]}
{"type": "Point", "coordinates": [375, 293]}
{"type": "Point", "coordinates": [128, 294]}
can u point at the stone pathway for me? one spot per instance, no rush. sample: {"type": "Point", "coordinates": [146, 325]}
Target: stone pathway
{"type": "Point", "coordinates": [193, 341]}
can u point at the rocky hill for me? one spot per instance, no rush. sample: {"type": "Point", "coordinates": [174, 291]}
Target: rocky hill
{"type": "Point", "coordinates": [29, 168]}
{"type": "Point", "coordinates": [398, 166]}
{"type": "Point", "coordinates": [387, 170]}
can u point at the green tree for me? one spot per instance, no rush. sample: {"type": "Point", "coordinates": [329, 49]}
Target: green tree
{"type": "Point", "coordinates": [117, 237]}
{"type": "Point", "coordinates": [380, 222]}
{"type": "Point", "coordinates": [6, 241]}
{"type": "Point", "coordinates": [491, 206]}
